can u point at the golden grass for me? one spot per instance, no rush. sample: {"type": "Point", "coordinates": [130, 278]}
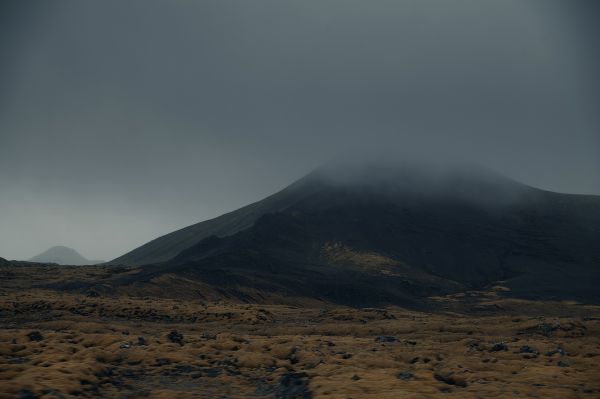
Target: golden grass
{"type": "Point", "coordinates": [120, 347]}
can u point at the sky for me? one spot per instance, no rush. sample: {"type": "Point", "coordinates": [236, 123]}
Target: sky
{"type": "Point", "coordinates": [123, 121]}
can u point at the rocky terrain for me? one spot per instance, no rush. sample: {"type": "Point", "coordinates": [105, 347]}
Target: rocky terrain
{"type": "Point", "coordinates": [475, 344]}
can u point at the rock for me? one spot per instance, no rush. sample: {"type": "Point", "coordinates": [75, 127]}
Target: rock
{"type": "Point", "coordinates": [386, 338]}
{"type": "Point", "coordinates": [562, 363]}
{"type": "Point", "coordinates": [499, 346]}
{"type": "Point", "coordinates": [175, 337]}
{"type": "Point", "coordinates": [264, 389]}
{"type": "Point", "coordinates": [18, 360]}
{"type": "Point", "coordinates": [141, 341]}
{"type": "Point", "coordinates": [474, 346]}
{"type": "Point", "coordinates": [125, 345]}
{"type": "Point", "coordinates": [355, 377]}
{"type": "Point", "coordinates": [560, 351]}
{"type": "Point", "coordinates": [292, 357]}
{"type": "Point", "coordinates": [26, 394]}
{"type": "Point", "coordinates": [450, 379]}
{"type": "Point", "coordinates": [35, 336]}
{"type": "Point", "coordinates": [293, 385]}
{"type": "Point", "coordinates": [162, 362]}
{"type": "Point", "coordinates": [528, 349]}
{"type": "Point", "coordinates": [528, 352]}
{"type": "Point", "coordinates": [211, 372]}
{"type": "Point", "coordinates": [405, 375]}
{"type": "Point", "coordinates": [547, 329]}
{"type": "Point", "coordinates": [54, 394]}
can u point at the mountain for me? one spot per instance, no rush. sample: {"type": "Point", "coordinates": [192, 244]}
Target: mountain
{"type": "Point", "coordinates": [62, 256]}
{"type": "Point", "coordinates": [389, 233]}
{"type": "Point", "coordinates": [409, 176]}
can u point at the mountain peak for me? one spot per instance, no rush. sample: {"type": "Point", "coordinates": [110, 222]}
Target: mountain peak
{"type": "Point", "coordinates": [413, 179]}
{"type": "Point", "coordinates": [408, 169]}
{"type": "Point", "coordinates": [63, 256]}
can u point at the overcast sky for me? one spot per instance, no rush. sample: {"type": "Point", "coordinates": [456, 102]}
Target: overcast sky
{"type": "Point", "coordinates": [123, 120]}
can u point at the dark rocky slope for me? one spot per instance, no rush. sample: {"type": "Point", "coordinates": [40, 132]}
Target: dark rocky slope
{"type": "Point", "coordinates": [375, 234]}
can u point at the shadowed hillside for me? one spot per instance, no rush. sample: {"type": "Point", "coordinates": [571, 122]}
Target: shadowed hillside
{"type": "Point", "coordinates": [390, 233]}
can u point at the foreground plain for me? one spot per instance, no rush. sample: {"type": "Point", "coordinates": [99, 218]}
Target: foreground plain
{"type": "Point", "coordinates": [479, 344]}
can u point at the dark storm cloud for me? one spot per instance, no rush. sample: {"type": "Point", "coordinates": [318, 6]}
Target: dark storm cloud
{"type": "Point", "coordinates": [121, 121]}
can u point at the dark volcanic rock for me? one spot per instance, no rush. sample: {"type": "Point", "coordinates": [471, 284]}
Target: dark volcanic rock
{"type": "Point", "coordinates": [386, 338]}
{"type": "Point", "coordinates": [553, 352]}
{"type": "Point", "coordinates": [548, 329]}
{"type": "Point", "coordinates": [264, 389]}
{"type": "Point", "coordinates": [26, 394]}
{"type": "Point", "coordinates": [562, 363]}
{"type": "Point", "coordinates": [449, 379]}
{"type": "Point", "coordinates": [499, 346]}
{"type": "Point", "coordinates": [293, 385]}
{"type": "Point", "coordinates": [175, 337]}
{"type": "Point", "coordinates": [162, 362]}
{"type": "Point", "coordinates": [405, 375]}
{"type": "Point", "coordinates": [528, 349]}
{"type": "Point", "coordinates": [35, 336]}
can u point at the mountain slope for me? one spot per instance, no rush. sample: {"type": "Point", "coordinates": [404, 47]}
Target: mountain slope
{"type": "Point", "coordinates": [166, 247]}
{"type": "Point", "coordinates": [393, 234]}
{"type": "Point", "coordinates": [404, 177]}
{"type": "Point", "coordinates": [62, 256]}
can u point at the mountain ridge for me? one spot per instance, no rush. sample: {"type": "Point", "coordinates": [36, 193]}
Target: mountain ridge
{"type": "Point", "coordinates": [171, 244]}
{"type": "Point", "coordinates": [439, 232]}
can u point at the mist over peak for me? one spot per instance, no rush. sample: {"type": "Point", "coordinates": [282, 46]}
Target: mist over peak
{"type": "Point", "coordinates": [393, 177]}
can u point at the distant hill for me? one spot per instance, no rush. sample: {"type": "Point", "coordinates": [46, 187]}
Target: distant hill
{"type": "Point", "coordinates": [62, 256]}
{"type": "Point", "coordinates": [387, 233]}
